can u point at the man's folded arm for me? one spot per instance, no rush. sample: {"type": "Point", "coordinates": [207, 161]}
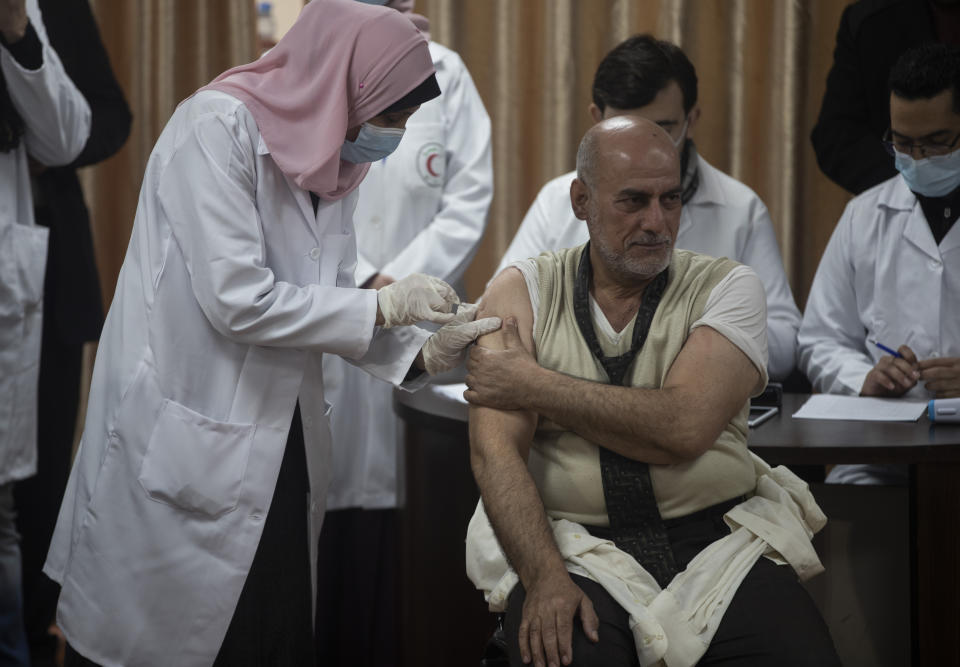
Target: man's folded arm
{"type": "Point", "coordinates": [708, 383]}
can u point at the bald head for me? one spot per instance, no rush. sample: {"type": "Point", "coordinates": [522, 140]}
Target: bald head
{"type": "Point", "coordinates": [617, 141]}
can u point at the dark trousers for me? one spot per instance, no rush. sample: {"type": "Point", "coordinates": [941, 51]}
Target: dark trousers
{"type": "Point", "coordinates": [771, 619]}
{"type": "Point", "coordinates": [73, 659]}
{"type": "Point", "coordinates": [272, 625]}
{"type": "Point", "coordinates": [357, 580]}
{"type": "Point", "coordinates": [38, 498]}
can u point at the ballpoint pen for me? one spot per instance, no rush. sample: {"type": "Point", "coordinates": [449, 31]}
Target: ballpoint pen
{"type": "Point", "coordinates": [886, 349]}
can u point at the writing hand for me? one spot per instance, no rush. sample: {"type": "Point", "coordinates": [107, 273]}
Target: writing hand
{"type": "Point", "coordinates": [892, 376]}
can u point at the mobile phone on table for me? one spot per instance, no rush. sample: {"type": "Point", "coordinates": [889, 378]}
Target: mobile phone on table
{"type": "Point", "coordinates": [760, 414]}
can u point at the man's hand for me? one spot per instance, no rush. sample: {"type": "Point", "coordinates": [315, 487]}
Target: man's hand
{"type": "Point", "coordinates": [546, 628]}
{"type": "Point", "coordinates": [941, 376]}
{"type": "Point", "coordinates": [501, 378]}
{"type": "Point", "coordinates": [13, 20]}
{"type": "Point", "coordinates": [892, 376]}
{"type": "Point", "coordinates": [416, 298]}
{"type": "Point", "coordinates": [447, 348]}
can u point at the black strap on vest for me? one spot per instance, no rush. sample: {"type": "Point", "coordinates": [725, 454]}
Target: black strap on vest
{"type": "Point", "coordinates": [635, 521]}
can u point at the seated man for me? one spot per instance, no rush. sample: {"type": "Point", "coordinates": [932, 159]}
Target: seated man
{"type": "Point", "coordinates": [653, 79]}
{"type": "Point", "coordinates": [890, 275]}
{"type": "Point", "coordinates": [608, 502]}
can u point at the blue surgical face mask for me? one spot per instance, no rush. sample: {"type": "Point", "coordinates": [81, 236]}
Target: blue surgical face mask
{"type": "Point", "coordinates": [934, 176]}
{"type": "Point", "coordinates": [372, 144]}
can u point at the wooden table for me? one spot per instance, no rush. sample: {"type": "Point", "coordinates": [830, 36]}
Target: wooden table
{"type": "Point", "coordinates": [933, 454]}
{"type": "Point", "coordinates": [445, 622]}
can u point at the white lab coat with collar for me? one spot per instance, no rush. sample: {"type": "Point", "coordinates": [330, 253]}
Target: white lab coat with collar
{"type": "Point", "coordinates": [724, 218]}
{"type": "Point", "coordinates": [230, 293]}
{"type": "Point", "coordinates": [882, 277]}
{"type": "Point", "coordinates": [423, 209]}
{"type": "Point", "coordinates": [57, 124]}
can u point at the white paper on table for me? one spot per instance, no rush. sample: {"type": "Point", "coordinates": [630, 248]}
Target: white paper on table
{"type": "Point", "coordinates": [860, 408]}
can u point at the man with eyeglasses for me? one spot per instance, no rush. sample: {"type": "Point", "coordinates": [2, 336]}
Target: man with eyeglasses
{"type": "Point", "coordinates": [890, 275]}
{"type": "Point", "coordinates": [653, 79]}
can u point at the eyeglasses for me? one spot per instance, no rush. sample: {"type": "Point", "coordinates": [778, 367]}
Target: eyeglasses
{"type": "Point", "coordinates": [895, 146]}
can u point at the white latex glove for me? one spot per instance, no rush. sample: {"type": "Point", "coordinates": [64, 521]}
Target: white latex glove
{"type": "Point", "coordinates": [447, 348]}
{"type": "Point", "coordinates": [416, 298]}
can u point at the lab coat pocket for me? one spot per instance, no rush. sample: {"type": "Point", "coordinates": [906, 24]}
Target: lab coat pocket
{"type": "Point", "coordinates": [195, 463]}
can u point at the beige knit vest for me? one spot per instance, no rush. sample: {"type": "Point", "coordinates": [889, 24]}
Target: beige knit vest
{"type": "Point", "coordinates": [565, 466]}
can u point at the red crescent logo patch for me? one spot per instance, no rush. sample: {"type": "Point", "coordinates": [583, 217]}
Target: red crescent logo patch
{"type": "Point", "coordinates": [431, 164]}
{"type": "Point", "coordinates": [430, 160]}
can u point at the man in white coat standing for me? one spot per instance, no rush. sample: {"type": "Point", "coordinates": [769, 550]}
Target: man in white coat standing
{"type": "Point", "coordinates": [43, 116]}
{"type": "Point", "coordinates": [654, 79]}
{"type": "Point", "coordinates": [422, 209]}
{"type": "Point", "coordinates": [883, 318]}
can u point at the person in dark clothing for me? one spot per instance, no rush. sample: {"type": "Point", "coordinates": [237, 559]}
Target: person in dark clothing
{"type": "Point", "coordinates": [73, 311]}
{"type": "Point", "coordinates": [855, 112]}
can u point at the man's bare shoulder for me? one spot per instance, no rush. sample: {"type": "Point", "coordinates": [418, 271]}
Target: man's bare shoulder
{"type": "Point", "coordinates": [507, 296]}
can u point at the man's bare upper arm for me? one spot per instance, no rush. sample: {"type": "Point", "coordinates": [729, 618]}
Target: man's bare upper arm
{"type": "Point", "coordinates": [506, 296]}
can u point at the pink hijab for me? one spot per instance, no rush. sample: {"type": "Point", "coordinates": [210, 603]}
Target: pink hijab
{"type": "Point", "coordinates": [341, 64]}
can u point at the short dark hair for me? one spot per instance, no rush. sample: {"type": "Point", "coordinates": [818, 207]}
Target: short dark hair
{"type": "Point", "coordinates": [632, 74]}
{"type": "Point", "coordinates": [925, 71]}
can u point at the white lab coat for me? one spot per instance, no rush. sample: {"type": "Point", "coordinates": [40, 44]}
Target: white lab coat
{"type": "Point", "coordinates": [423, 209]}
{"type": "Point", "coordinates": [724, 218]}
{"type": "Point", "coordinates": [57, 120]}
{"type": "Point", "coordinates": [225, 303]}
{"type": "Point", "coordinates": [882, 277]}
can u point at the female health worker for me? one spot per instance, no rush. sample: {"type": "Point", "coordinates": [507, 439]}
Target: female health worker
{"type": "Point", "coordinates": [188, 531]}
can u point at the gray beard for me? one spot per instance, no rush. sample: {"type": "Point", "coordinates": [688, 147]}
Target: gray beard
{"type": "Point", "coordinates": [629, 268]}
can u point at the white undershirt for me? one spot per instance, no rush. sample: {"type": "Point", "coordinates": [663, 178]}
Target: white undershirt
{"type": "Point", "coordinates": [603, 326]}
